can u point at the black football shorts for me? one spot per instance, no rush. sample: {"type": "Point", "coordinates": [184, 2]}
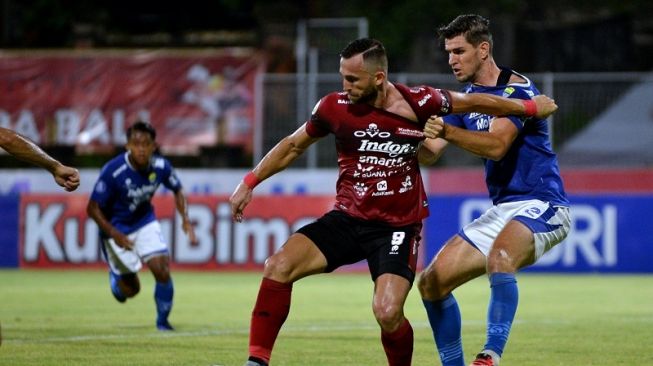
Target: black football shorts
{"type": "Point", "coordinates": [346, 240]}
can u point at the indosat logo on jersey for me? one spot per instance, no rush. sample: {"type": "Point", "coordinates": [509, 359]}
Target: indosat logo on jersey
{"type": "Point", "coordinates": [389, 147]}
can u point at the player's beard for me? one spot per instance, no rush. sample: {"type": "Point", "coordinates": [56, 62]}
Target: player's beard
{"type": "Point", "coordinates": [468, 73]}
{"type": "Point", "coordinates": [367, 95]}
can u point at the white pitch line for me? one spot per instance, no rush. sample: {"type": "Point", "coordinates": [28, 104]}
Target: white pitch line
{"type": "Point", "coordinates": [219, 332]}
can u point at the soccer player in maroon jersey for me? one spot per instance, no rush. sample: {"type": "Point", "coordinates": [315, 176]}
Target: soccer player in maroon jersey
{"type": "Point", "coordinates": [380, 199]}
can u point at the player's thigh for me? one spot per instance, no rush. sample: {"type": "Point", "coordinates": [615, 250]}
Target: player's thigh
{"type": "Point", "coordinates": [149, 241]}
{"type": "Point", "coordinates": [391, 250]}
{"type": "Point", "coordinates": [121, 261]}
{"type": "Point", "coordinates": [533, 228]}
{"type": "Point", "coordinates": [298, 257]}
{"type": "Point", "coordinates": [390, 290]}
{"type": "Point", "coordinates": [513, 248]}
{"type": "Point", "coordinates": [456, 263]}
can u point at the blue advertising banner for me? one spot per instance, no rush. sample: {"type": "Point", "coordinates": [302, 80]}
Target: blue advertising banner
{"type": "Point", "coordinates": [609, 234]}
{"type": "Point", "coordinates": [9, 230]}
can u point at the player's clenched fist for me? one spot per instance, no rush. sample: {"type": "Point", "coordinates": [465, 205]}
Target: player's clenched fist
{"type": "Point", "coordinates": [434, 127]}
{"type": "Point", "coordinates": [545, 106]}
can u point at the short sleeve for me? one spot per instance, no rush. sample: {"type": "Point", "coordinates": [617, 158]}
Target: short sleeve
{"type": "Point", "coordinates": [517, 93]}
{"type": "Point", "coordinates": [103, 189]}
{"type": "Point", "coordinates": [171, 181]}
{"type": "Point", "coordinates": [455, 120]}
{"type": "Point", "coordinates": [316, 126]}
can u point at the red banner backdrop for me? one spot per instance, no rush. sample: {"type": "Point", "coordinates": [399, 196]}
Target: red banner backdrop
{"type": "Point", "coordinates": [89, 99]}
{"type": "Point", "coordinates": [54, 230]}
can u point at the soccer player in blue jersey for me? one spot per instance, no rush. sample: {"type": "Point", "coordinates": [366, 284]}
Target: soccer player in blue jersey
{"type": "Point", "coordinates": [121, 206]}
{"type": "Point", "coordinates": [530, 212]}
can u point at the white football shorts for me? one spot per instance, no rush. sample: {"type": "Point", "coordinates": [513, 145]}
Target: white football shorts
{"type": "Point", "coordinates": [549, 224]}
{"type": "Point", "coordinates": [148, 243]}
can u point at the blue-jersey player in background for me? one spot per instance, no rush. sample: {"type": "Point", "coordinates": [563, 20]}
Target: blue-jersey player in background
{"type": "Point", "coordinates": [530, 212]}
{"type": "Point", "coordinates": [121, 206]}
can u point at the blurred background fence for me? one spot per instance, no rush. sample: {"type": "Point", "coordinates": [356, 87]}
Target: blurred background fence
{"type": "Point", "coordinates": [582, 99]}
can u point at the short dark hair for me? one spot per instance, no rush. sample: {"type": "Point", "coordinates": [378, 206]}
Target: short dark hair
{"type": "Point", "coordinates": [372, 50]}
{"type": "Point", "coordinates": [141, 126]}
{"type": "Point", "coordinates": [475, 28]}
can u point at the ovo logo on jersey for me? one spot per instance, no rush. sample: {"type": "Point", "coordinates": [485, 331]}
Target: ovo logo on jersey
{"type": "Point", "coordinates": [372, 131]}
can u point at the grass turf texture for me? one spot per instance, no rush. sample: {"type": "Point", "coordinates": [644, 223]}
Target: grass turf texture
{"type": "Point", "coordinates": [70, 318]}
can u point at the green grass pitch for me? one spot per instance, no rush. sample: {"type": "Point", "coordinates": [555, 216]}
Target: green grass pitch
{"type": "Point", "coordinates": [70, 318]}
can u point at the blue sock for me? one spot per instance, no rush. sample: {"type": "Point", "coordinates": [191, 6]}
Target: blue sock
{"type": "Point", "coordinates": [115, 289]}
{"type": "Point", "coordinates": [444, 317]}
{"type": "Point", "coordinates": [501, 311]}
{"type": "Point", "coordinates": [163, 293]}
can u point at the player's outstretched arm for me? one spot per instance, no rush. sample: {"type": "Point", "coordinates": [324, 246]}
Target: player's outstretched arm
{"type": "Point", "coordinates": [493, 144]}
{"type": "Point", "coordinates": [182, 208]}
{"type": "Point", "coordinates": [540, 106]}
{"type": "Point", "coordinates": [276, 160]}
{"type": "Point", "coordinates": [26, 150]}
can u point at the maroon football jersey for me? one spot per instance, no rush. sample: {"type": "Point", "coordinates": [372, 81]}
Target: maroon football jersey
{"type": "Point", "coordinates": [379, 178]}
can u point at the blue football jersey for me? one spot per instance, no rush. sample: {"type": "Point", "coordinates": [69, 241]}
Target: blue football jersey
{"type": "Point", "coordinates": [124, 194]}
{"type": "Point", "coordinates": [529, 170]}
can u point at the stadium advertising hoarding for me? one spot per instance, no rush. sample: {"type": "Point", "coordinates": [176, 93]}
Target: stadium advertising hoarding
{"type": "Point", "coordinates": [88, 99]}
{"type": "Point", "coordinates": [55, 231]}
{"type": "Point", "coordinates": [609, 233]}
{"type": "Point", "coordinates": [610, 230]}
{"type": "Point", "coordinates": [609, 208]}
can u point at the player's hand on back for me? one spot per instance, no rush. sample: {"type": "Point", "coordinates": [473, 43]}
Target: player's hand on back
{"type": "Point", "coordinates": [545, 106]}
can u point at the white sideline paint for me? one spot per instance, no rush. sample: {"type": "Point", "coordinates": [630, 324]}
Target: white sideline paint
{"type": "Point", "coordinates": [219, 332]}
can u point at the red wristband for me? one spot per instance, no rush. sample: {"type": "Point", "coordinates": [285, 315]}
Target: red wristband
{"type": "Point", "coordinates": [530, 108]}
{"type": "Point", "coordinates": [251, 180]}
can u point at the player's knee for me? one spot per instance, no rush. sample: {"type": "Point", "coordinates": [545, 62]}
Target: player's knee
{"type": "Point", "coordinates": [162, 276]}
{"type": "Point", "coordinates": [131, 290]}
{"type": "Point", "coordinates": [500, 260]}
{"type": "Point", "coordinates": [130, 285]}
{"type": "Point", "coordinates": [424, 285]}
{"type": "Point", "coordinates": [429, 287]}
{"type": "Point", "coordinates": [389, 317]}
{"type": "Point", "coordinates": [278, 268]}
